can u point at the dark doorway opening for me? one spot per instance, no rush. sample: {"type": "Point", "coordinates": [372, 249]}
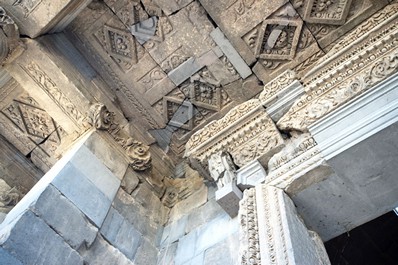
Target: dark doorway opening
{"type": "Point", "coordinates": [374, 243]}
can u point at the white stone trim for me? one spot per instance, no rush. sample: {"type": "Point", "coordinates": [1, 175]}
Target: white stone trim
{"type": "Point", "coordinates": [358, 120]}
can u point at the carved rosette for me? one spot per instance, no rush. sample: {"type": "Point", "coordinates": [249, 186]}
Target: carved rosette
{"type": "Point", "coordinates": [100, 117]}
{"type": "Point", "coordinates": [246, 132]}
{"type": "Point", "coordinates": [139, 156]}
{"type": "Point", "coordinates": [328, 86]}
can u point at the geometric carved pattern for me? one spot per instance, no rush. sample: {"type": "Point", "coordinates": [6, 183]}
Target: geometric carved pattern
{"type": "Point", "coordinates": [278, 39]}
{"type": "Point", "coordinates": [120, 45]}
{"type": "Point", "coordinates": [25, 113]}
{"type": "Point", "coordinates": [332, 12]}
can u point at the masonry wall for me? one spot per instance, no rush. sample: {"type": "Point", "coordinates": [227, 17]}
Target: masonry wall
{"type": "Point", "coordinates": [204, 235]}
{"type": "Point", "coordinates": [77, 213]}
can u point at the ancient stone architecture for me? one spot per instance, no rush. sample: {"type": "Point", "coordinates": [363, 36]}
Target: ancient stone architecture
{"type": "Point", "coordinates": [194, 131]}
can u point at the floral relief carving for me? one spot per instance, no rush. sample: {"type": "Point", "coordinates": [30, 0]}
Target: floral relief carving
{"type": "Point", "coordinates": [330, 87]}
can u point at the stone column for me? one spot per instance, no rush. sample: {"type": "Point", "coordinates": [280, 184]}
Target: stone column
{"type": "Point", "coordinates": [272, 232]}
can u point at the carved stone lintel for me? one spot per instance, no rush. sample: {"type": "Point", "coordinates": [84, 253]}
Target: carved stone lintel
{"type": "Point", "coordinates": [368, 56]}
{"type": "Point", "coordinates": [246, 132]}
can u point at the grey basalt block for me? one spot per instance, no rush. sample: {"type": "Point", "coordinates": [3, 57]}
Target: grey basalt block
{"type": "Point", "coordinates": [121, 234]}
{"type": "Point", "coordinates": [96, 172]}
{"type": "Point", "coordinates": [7, 259]}
{"type": "Point", "coordinates": [65, 218]}
{"type": "Point", "coordinates": [74, 185]}
{"type": "Point", "coordinates": [228, 198]}
{"type": "Point", "coordinates": [184, 71]}
{"type": "Point", "coordinates": [101, 252]}
{"type": "Point", "coordinates": [31, 240]}
{"type": "Point", "coordinates": [230, 52]}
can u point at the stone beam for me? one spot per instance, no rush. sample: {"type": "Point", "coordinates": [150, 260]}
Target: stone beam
{"type": "Point", "coordinates": [37, 17]}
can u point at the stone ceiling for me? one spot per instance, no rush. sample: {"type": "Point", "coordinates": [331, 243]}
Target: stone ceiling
{"type": "Point", "coordinates": [172, 66]}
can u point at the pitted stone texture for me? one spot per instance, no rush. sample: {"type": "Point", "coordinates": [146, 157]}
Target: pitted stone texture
{"type": "Point", "coordinates": [117, 230]}
{"type": "Point", "coordinates": [228, 248]}
{"type": "Point", "coordinates": [29, 238]}
{"type": "Point", "coordinates": [65, 218]}
{"type": "Point", "coordinates": [101, 252]}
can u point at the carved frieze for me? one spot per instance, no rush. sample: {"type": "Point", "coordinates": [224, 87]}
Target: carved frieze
{"type": "Point", "coordinates": [27, 6]}
{"type": "Point", "coordinates": [249, 248]}
{"type": "Point", "coordinates": [9, 197]}
{"type": "Point", "coordinates": [277, 85]}
{"type": "Point", "coordinates": [370, 61]}
{"type": "Point", "coordinates": [246, 132]}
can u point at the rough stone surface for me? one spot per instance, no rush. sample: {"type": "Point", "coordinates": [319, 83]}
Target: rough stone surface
{"type": "Point", "coordinates": [7, 259]}
{"type": "Point", "coordinates": [65, 218]}
{"type": "Point", "coordinates": [29, 239]}
{"type": "Point", "coordinates": [146, 254]}
{"type": "Point", "coordinates": [121, 234]}
{"type": "Point", "coordinates": [228, 249]}
{"type": "Point", "coordinates": [101, 252]}
{"type": "Point", "coordinates": [84, 194]}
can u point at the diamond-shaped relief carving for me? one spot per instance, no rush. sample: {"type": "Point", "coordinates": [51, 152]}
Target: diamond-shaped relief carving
{"type": "Point", "coordinates": [120, 45]}
{"type": "Point", "coordinates": [278, 39]}
{"type": "Point", "coordinates": [332, 12]}
{"type": "Point", "coordinates": [206, 96]}
{"type": "Point", "coordinates": [179, 113]}
{"type": "Point", "coordinates": [25, 114]}
{"type": "Point", "coordinates": [37, 122]}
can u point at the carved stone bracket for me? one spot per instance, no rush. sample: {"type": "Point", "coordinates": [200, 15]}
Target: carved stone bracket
{"type": "Point", "coordinates": [246, 132]}
{"type": "Point", "coordinates": [362, 59]}
{"type": "Point", "coordinates": [138, 154]}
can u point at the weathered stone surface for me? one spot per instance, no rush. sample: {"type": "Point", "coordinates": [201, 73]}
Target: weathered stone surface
{"type": "Point", "coordinates": [117, 230]}
{"type": "Point", "coordinates": [106, 151]}
{"type": "Point", "coordinates": [29, 238]}
{"type": "Point", "coordinates": [130, 181]}
{"type": "Point", "coordinates": [250, 175]}
{"type": "Point", "coordinates": [36, 17]}
{"type": "Point", "coordinates": [167, 254]}
{"type": "Point", "coordinates": [137, 215]}
{"type": "Point", "coordinates": [96, 172]}
{"type": "Point", "coordinates": [228, 198]}
{"type": "Point", "coordinates": [84, 194]}
{"type": "Point", "coordinates": [186, 248]}
{"type": "Point", "coordinates": [214, 232]}
{"type": "Point", "coordinates": [195, 200]}
{"type": "Point", "coordinates": [101, 252]}
{"type": "Point", "coordinates": [146, 254]}
{"type": "Point", "coordinates": [65, 218]}
{"type": "Point", "coordinates": [229, 51]}
{"type": "Point", "coordinates": [202, 215]}
{"type": "Point", "coordinates": [224, 252]}
{"type": "Point", "coordinates": [7, 259]}
{"type": "Point", "coordinates": [172, 232]}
